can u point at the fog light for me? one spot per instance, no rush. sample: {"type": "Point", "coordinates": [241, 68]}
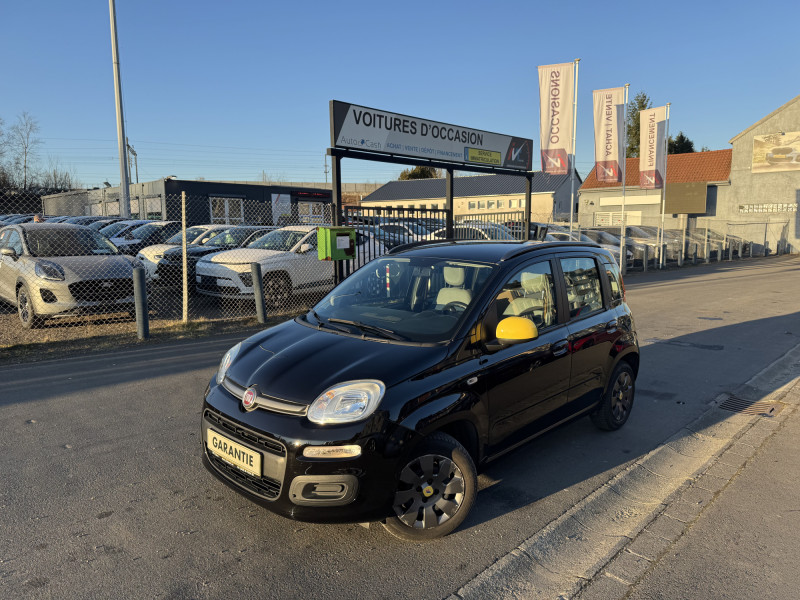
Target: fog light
{"type": "Point", "coordinates": [332, 451]}
{"type": "Point", "coordinates": [48, 296]}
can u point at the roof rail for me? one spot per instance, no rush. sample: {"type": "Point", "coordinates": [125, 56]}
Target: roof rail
{"type": "Point", "coordinates": [531, 245]}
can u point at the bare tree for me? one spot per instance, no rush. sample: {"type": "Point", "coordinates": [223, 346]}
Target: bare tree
{"type": "Point", "coordinates": [23, 143]}
{"type": "Point", "coordinates": [57, 177]}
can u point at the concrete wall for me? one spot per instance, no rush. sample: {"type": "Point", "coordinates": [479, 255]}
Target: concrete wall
{"type": "Point", "coordinates": [760, 189]}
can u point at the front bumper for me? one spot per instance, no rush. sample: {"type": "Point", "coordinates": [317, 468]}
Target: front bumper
{"type": "Point", "coordinates": [319, 490]}
{"type": "Point", "coordinates": [218, 280]}
{"type": "Point", "coordinates": [53, 298]}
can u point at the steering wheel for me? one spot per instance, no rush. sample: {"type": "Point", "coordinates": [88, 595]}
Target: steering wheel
{"type": "Point", "coordinates": [454, 307]}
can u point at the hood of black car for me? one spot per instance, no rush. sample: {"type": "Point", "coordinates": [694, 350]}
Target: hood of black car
{"type": "Point", "coordinates": [297, 363]}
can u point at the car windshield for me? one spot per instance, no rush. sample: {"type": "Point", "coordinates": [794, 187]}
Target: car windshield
{"type": "Point", "coordinates": [192, 233]}
{"type": "Point", "coordinates": [144, 231]}
{"type": "Point", "coordinates": [230, 237]}
{"type": "Point", "coordinates": [280, 239]}
{"type": "Point", "coordinates": [114, 228]}
{"type": "Point", "coordinates": [67, 242]}
{"type": "Point", "coordinates": [405, 228]}
{"type": "Point", "coordinates": [604, 238]}
{"type": "Point", "coordinates": [414, 299]}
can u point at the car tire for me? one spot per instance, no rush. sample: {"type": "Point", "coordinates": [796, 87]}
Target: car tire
{"type": "Point", "coordinates": [436, 489]}
{"type": "Point", "coordinates": [277, 290]}
{"type": "Point", "coordinates": [615, 407]}
{"type": "Point", "coordinates": [27, 314]}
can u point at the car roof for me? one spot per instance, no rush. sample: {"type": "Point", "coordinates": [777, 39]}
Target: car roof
{"type": "Point", "coordinates": [485, 251]}
{"type": "Point", "coordinates": [56, 226]}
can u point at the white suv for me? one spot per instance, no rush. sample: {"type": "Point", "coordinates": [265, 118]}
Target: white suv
{"type": "Point", "coordinates": [288, 259]}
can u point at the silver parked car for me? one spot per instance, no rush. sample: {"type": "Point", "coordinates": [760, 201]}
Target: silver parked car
{"type": "Point", "coordinates": [58, 269]}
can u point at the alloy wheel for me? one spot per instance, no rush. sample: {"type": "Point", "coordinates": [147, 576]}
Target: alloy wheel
{"type": "Point", "coordinates": [622, 396]}
{"type": "Point", "coordinates": [430, 491]}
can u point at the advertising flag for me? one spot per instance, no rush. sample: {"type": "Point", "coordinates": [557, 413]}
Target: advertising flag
{"type": "Point", "coordinates": [556, 94]}
{"type": "Point", "coordinates": [652, 150]}
{"type": "Point", "coordinates": [609, 131]}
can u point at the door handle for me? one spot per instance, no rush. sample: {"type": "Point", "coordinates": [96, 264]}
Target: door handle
{"type": "Point", "coordinates": [611, 326]}
{"type": "Point", "coordinates": [560, 348]}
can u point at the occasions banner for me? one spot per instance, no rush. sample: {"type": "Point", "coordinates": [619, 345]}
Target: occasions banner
{"type": "Point", "coordinates": [652, 149]}
{"type": "Point", "coordinates": [556, 95]}
{"type": "Point", "coordinates": [609, 132]}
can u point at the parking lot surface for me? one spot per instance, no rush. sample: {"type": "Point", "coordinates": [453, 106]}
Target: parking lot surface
{"type": "Point", "coordinates": [104, 495]}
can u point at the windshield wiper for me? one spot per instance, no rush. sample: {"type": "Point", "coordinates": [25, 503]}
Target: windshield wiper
{"type": "Point", "coordinates": [387, 333]}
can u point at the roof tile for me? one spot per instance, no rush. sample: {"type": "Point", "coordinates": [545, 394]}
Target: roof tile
{"type": "Point", "coordinates": [714, 165]}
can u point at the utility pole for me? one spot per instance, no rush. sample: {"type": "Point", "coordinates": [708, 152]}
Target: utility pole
{"type": "Point", "coordinates": [124, 190]}
{"type": "Point", "coordinates": [326, 168]}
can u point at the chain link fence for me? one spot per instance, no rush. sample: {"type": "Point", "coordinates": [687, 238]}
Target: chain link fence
{"type": "Point", "coordinates": [71, 276]}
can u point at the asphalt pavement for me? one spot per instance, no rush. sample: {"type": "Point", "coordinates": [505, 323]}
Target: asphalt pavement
{"type": "Point", "coordinates": [103, 493]}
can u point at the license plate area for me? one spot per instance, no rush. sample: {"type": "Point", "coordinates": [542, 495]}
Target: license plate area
{"type": "Point", "coordinates": [234, 453]}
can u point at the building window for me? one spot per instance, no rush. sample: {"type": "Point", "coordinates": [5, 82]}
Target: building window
{"type": "Point", "coordinates": [501, 204]}
{"type": "Point", "coordinates": [481, 204]}
{"type": "Point", "coordinates": [471, 205]}
{"type": "Point", "coordinates": [491, 205]}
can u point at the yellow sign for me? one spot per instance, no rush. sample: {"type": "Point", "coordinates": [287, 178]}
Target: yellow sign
{"type": "Point", "coordinates": [487, 157]}
{"type": "Point", "coordinates": [239, 456]}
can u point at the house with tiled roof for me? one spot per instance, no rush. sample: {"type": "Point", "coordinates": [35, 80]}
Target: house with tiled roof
{"type": "Point", "coordinates": [480, 195]}
{"type": "Point", "coordinates": [693, 186]}
{"type": "Point", "coordinates": [751, 190]}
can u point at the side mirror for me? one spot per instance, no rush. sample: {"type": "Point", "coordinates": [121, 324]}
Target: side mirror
{"type": "Point", "coordinates": [511, 331]}
{"type": "Point", "coordinates": [8, 252]}
{"type": "Point", "coordinates": [304, 248]}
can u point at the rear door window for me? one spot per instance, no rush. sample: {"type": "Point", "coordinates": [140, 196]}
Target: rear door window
{"type": "Point", "coordinates": [615, 282]}
{"type": "Point", "coordinates": [582, 280]}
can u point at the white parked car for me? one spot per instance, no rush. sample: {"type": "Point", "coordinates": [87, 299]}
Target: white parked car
{"type": "Point", "coordinates": [150, 256]}
{"type": "Point", "coordinates": [289, 263]}
{"type": "Point", "coordinates": [288, 259]}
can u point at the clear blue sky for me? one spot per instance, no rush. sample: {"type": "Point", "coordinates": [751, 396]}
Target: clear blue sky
{"type": "Point", "coordinates": [224, 90]}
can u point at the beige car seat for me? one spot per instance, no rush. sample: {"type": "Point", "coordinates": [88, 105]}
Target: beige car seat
{"type": "Point", "coordinates": [454, 290]}
{"type": "Point", "coordinates": [535, 300]}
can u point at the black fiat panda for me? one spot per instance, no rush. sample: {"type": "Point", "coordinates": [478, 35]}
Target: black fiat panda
{"type": "Point", "coordinates": [382, 401]}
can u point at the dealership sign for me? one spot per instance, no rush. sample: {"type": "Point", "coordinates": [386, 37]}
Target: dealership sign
{"type": "Point", "coordinates": [556, 97]}
{"type": "Point", "coordinates": [371, 130]}
{"type": "Point", "coordinates": [652, 148]}
{"type": "Point", "coordinates": [609, 132]}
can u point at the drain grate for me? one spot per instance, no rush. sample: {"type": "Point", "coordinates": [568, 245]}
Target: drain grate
{"type": "Point", "coordinates": [761, 408]}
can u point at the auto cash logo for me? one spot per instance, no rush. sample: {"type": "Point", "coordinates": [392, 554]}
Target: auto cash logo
{"type": "Point", "coordinates": [249, 398]}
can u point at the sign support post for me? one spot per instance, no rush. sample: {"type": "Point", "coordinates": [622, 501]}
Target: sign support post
{"type": "Point", "coordinates": [664, 193]}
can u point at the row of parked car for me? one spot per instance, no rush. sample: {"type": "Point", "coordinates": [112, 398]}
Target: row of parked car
{"type": "Point", "coordinates": [56, 266]}
{"type": "Point", "coordinates": [68, 266]}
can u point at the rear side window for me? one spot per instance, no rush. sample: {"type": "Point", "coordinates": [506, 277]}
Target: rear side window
{"type": "Point", "coordinates": [582, 280]}
{"type": "Point", "coordinates": [615, 281]}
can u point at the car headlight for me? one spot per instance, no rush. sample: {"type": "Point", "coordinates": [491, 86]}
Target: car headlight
{"type": "Point", "coordinates": [226, 361]}
{"type": "Point", "coordinates": [158, 256]}
{"type": "Point", "coordinates": [347, 402]}
{"type": "Point", "coordinates": [49, 271]}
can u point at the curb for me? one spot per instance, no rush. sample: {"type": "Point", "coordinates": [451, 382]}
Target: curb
{"type": "Point", "coordinates": [624, 525]}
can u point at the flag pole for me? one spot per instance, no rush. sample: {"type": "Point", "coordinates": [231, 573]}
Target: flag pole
{"type": "Point", "coordinates": [661, 260]}
{"type": "Point", "coordinates": [622, 254]}
{"type": "Point", "coordinates": [574, 126]}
